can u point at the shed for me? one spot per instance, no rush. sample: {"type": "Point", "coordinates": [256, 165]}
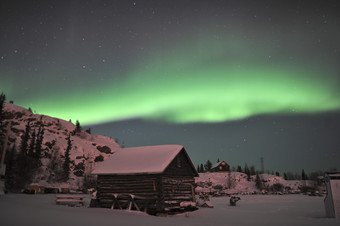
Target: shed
{"type": "Point", "coordinates": [332, 200]}
{"type": "Point", "coordinates": [161, 177]}
{"type": "Point", "coordinates": [221, 166]}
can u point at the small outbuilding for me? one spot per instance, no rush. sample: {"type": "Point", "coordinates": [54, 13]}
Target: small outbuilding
{"type": "Point", "coordinates": [332, 200]}
{"type": "Point", "coordinates": [221, 166]}
{"type": "Point", "coordinates": [157, 178]}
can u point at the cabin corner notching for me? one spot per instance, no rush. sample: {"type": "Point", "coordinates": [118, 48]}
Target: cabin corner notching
{"type": "Point", "coordinates": [160, 177]}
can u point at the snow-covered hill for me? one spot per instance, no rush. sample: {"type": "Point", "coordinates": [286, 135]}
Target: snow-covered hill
{"type": "Point", "coordinates": [222, 183]}
{"type": "Point", "coordinates": [87, 150]}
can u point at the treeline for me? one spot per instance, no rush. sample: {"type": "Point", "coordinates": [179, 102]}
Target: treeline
{"type": "Point", "coordinates": [23, 163]}
{"type": "Point", "coordinates": [251, 171]}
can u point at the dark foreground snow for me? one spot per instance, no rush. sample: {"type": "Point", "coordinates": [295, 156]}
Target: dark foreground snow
{"type": "Point", "coordinates": [20, 209]}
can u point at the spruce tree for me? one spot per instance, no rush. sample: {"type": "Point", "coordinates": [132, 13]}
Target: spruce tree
{"type": "Point", "coordinates": [258, 182]}
{"type": "Point", "coordinates": [252, 170]}
{"type": "Point", "coordinates": [303, 175]}
{"type": "Point", "coordinates": [247, 171]}
{"type": "Point", "coordinates": [208, 165]}
{"type": "Point", "coordinates": [38, 144]}
{"type": "Point", "coordinates": [25, 138]}
{"type": "Point", "coordinates": [201, 168]}
{"type": "Point", "coordinates": [78, 127]}
{"type": "Point", "coordinates": [31, 150]}
{"type": "Point", "coordinates": [10, 168]}
{"type": "Point", "coordinates": [239, 169]}
{"type": "Point", "coordinates": [2, 126]}
{"type": "Point", "coordinates": [67, 161]}
{"type": "Point", "coordinates": [24, 171]}
{"type": "Point", "coordinates": [54, 167]}
{"type": "Point", "coordinates": [88, 131]}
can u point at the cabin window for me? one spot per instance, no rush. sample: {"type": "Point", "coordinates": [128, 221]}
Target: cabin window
{"type": "Point", "coordinates": [223, 163]}
{"type": "Point", "coordinates": [179, 163]}
{"type": "Point", "coordinates": [220, 167]}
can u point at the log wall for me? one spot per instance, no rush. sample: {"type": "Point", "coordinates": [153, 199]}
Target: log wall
{"type": "Point", "coordinates": [140, 185]}
{"type": "Point", "coordinates": [165, 191]}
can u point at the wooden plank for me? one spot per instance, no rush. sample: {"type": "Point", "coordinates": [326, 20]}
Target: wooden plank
{"type": "Point", "coordinates": [69, 196]}
{"type": "Point", "coordinates": [69, 201]}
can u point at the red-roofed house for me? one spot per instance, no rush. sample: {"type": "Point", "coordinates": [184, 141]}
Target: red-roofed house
{"type": "Point", "coordinates": [221, 166]}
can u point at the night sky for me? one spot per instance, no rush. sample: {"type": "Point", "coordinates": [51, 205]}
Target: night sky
{"type": "Point", "coordinates": [235, 80]}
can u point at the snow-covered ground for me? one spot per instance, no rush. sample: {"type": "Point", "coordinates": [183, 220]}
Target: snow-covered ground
{"type": "Point", "coordinates": [21, 209]}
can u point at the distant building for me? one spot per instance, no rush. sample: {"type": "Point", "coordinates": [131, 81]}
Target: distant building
{"type": "Point", "coordinates": [158, 178]}
{"type": "Point", "coordinates": [221, 166]}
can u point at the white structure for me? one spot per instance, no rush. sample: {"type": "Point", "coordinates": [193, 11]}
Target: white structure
{"type": "Point", "coordinates": [332, 200]}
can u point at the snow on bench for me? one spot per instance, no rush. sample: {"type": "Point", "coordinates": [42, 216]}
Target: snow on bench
{"type": "Point", "coordinates": [70, 200]}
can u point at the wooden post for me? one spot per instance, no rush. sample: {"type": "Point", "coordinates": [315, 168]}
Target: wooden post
{"type": "Point", "coordinates": [5, 145]}
{"type": "Point", "coordinates": [2, 163]}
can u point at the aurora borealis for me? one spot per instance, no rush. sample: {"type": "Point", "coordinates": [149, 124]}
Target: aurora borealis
{"type": "Point", "coordinates": [210, 87]}
{"type": "Point", "coordinates": [193, 62]}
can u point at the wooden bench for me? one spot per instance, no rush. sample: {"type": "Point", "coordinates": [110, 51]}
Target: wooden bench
{"type": "Point", "coordinates": [70, 200]}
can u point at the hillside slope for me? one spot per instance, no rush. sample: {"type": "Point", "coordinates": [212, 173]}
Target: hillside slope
{"type": "Point", "coordinates": [87, 150]}
{"type": "Point", "coordinates": [222, 183]}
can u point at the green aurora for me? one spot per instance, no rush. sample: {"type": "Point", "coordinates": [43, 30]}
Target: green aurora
{"type": "Point", "coordinates": [196, 85]}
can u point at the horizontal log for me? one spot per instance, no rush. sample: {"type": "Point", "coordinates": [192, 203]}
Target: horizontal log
{"type": "Point", "coordinates": [116, 178]}
{"type": "Point", "coordinates": [178, 179]}
{"type": "Point", "coordinates": [174, 197]}
{"type": "Point", "coordinates": [110, 195]}
{"type": "Point", "coordinates": [178, 193]}
{"type": "Point", "coordinates": [126, 180]}
{"type": "Point", "coordinates": [113, 186]}
{"type": "Point", "coordinates": [129, 191]}
{"type": "Point", "coordinates": [125, 184]}
{"type": "Point", "coordinates": [168, 186]}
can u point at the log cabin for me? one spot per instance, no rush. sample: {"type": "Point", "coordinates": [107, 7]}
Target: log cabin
{"type": "Point", "coordinates": [160, 178]}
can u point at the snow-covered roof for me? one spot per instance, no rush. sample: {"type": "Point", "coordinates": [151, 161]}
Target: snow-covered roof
{"type": "Point", "coordinates": [139, 160]}
{"type": "Point", "coordinates": [217, 164]}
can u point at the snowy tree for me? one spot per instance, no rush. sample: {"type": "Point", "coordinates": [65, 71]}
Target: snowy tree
{"type": "Point", "coordinates": [67, 160]}
{"type": "Point", "coordinates": [252, 170]}
{"type": "Point", "coordinates": [2, 126]}
{"type": "Point", "coordinates": [38, 144]}
{"type": "Point", "coordinates": [54, 167]}
{"type": "Point", "coordinates": [24, 169]}
{"type": "Point", "coordinates": [208, 165]}
{"type": "Point", "coordinates": [25, 138]}
{"type": "Point", "coordinates": [89, 180]}
{"type": "Point", "coordinates": [303, 175]}
{"type": "Point", "coordinates": [78, 127]}
{"type": "Point", "coordinates": [201, 168]}
{"type": "Point", "coordinates": [10, 168]}
{"type": "Point", "coordinates": [239, 169]}
{"type": "Point", "coordinates": [258, 182]}
{"type": "Point", "coordinates": [31, 149]}
{"type": "Point", "coordinates": [230, 181]}
{"type": "Point", "coordinates": [247, 171]}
